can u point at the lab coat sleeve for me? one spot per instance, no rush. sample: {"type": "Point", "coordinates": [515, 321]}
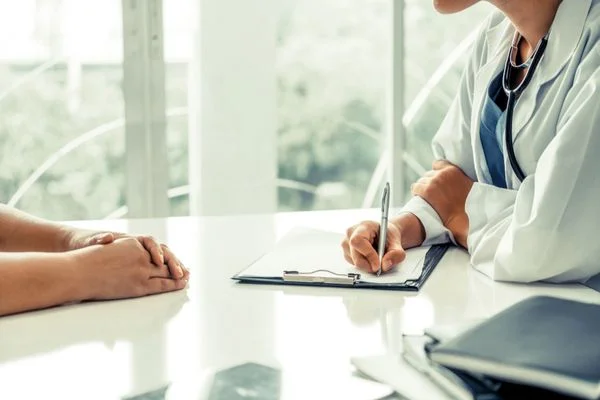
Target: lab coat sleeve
{"type": "Point", "coordinates": [452, 142]}
{"type": "Point", "coordinates": [435, 231]}
{"type": "Point", "coordinates": [548, 229]}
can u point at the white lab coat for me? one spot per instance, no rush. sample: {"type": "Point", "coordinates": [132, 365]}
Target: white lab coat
{"type": "Point", "coordinates": [547, 227]}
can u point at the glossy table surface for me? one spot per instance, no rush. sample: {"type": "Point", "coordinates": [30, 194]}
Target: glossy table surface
{"type": "Point", "coordinates": [170, 346]}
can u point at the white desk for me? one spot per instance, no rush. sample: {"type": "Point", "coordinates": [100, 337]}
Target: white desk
{"type": "Point", "coordinates": [119, 349]}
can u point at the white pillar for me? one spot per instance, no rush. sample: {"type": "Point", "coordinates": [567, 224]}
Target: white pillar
{"type": "Point", "coordinates": [396, 132]}
{"type": "Point", "coordinates": [147, 167]}
{"type": "Point", "coordinates": [232, 105]}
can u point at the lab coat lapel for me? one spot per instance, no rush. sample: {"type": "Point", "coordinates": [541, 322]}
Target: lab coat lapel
{"type": "Point", "coordinates": [565, 33]}
{"type": "Point", "coordinates": [482, 81]}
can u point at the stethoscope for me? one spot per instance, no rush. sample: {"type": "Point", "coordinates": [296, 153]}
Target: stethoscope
{"type": "Point", "coordinates": [514, 93]}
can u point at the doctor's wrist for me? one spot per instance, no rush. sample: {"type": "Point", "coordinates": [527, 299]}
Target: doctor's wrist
{"type": "Point", "coordinates": [459, 226]}
{"type": "Point", "coordinates": [411, 229]}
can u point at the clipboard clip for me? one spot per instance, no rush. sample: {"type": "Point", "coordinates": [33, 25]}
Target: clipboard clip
{"type": "Point", "coordinates": [311, 277]}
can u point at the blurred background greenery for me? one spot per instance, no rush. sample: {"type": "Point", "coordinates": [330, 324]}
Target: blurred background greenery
{"type": "Point", "coordinates": [332, 60]}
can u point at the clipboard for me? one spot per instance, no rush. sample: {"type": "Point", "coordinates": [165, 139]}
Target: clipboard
{"type": "Point", "coordinates": [296, 260]}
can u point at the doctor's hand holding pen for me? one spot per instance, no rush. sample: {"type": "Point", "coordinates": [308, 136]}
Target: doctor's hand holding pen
{"type": "Point", "coordinates": [359, 245]}
{"type": "Point", "coordinates": [445, 188]}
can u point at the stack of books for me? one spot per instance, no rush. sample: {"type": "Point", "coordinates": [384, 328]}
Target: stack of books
{"type": "Point", "coordinates": [542, 347]}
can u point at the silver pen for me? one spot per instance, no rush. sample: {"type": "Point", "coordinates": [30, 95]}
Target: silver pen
{"type": "Point", "coordinates": [383, 227]}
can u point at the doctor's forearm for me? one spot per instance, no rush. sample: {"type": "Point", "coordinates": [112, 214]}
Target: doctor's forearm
{"type": "Point", "coordinates": [411, 229]}
{"type": "Point", "coordinates": [459, 226]}
{"type": "Point", "coordinates": [22, 232]}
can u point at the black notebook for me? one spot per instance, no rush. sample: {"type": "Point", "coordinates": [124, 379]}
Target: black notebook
{"type": "Point", "coordinates": [544, 342]}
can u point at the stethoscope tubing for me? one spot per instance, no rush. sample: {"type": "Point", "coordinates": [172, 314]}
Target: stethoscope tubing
{"type": "Point", "coordinates": [513, 95]}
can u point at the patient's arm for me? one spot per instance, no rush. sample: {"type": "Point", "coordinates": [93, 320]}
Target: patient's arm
{"type": "Point", "coordinates": [22, 232]}
{"type": "Point", "coordinates": [37, 280]}
{"type": "Point", "coordinates": [121, 269]}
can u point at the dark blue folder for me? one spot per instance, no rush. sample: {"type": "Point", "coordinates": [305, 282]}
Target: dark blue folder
{"type": "Point", "coordinates": [544, 342]}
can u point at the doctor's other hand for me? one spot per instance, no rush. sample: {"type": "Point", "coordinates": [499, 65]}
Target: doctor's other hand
{"type": "Point", "coordinates": [361, 242]}
{"type": "Point", "coordinates": [446, 189]}
{"type": "Point", "coordinates": [121, 269]}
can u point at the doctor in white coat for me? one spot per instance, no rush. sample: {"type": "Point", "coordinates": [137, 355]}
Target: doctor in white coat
{"type": "Point", "coordinates": [545, 224]}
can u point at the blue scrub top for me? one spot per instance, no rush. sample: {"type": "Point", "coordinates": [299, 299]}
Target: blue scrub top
{"type": "Point", "coordinates": [493, 122]}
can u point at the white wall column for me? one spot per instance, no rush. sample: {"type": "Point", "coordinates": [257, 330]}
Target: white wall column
{"type": "Point", "coordinates": [396, 132]}
{"type": "Point", "coordinates": [232, 105]}
{"type": "Point", "coordinates": [147, 173]}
